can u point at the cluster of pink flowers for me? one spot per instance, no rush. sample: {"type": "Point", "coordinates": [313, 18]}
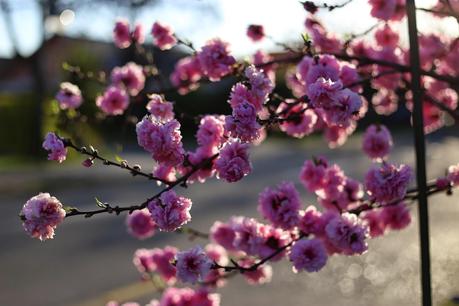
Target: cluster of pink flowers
{"type": "Point", "coordinates": [158, 261]}
{"type": "Point", "coordinates": [391, 217]}
{"type": "Point", "coordinates": [246, 102]}
{"type": "Point", "coordinates": [123, 36]}
{"type": "Point", "coordinates": [170, 211]}
{"type": "Point", "coordinates": [255, 32]}
{"type": "Point", "coordinates": [193, 265]}
{"type": "Point", "coordinates": [163, 36]}
{"type": "Point", "coordinates": [162, 139]}
{"type": "Point", "coordinates": [114, 101]}
{"type": "Point", "coordinates": [186, 74]}
{"type": "Point", "coordinates": [130, 77]}
{"type": "Point", "coordinates": [388, 183]}
{"type": "Point", "coordinates": [215, 59]}
{"type": "Point", "coordinates": [69, 96]}
{"type": "Point", "coordinates": [187, 296]}
{"type": "Point", "coordinates": [377, 142]}
{"type": "Point", "coordinates": [309, 255]}
{"type": "Point", "coordinates": [334, 189]}
{"type": "Point", "coordinates": [41, 215]}
{"type": "Point", "coordinates": [388, 9]}
{"type": "Point", "coordinates": [233, 162]}
{"type": "Point", "coordinates": [281, 205]}
{"type": "Point", "coordinates": [160, 109]}
{"type": "Point", "coordinates": [55, 146]}
{"type": "Point", "coordinates": [333, 103]}
{"type": "Point", "coordinates": [140, 224]}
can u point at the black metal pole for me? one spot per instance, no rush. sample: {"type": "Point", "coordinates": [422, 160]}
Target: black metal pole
{"type": "Point", "coordinates": [420, 147]}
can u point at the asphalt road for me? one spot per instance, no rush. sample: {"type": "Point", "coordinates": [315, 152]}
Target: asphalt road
{"type": "Point", "coordinates": [89, 261]}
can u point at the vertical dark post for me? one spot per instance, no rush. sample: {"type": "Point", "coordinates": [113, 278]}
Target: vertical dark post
{"type": "Point", "coordinates": [420, 147]}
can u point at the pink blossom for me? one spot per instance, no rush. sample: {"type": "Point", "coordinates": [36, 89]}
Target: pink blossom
{"type": "Point", "coordinates": [326, 66]}
{"type": "Point", "coordinates": [334, 181]}
{"type": "Point", "coordinates": [260, 84]}
{"type": "Point", "coordinates": [216, 277]}
{"type": "Point", "coordinates": [163, 36]}
{"type": "Point", "coordinates": [142, 260]}
{"type": "Point", "coordinates": [248, 235]}
{"type": "Point", "coordinates": [347, 233]}
{"type": "Point", "coordinates": [162, 139]}
{"type": "Point", "coordinates": [322, 40]}
{"type": "Point", "coordinates": [255, 32]}
{"type": "Point", "coordinates": [55, 146]}
{"type": "Point", "coordinates": [215, 59]}
{"type": "Point", "coordinates": [396, 217]}
{"type": "Point", "coordinates": [138, 35]}
{"type": "Point", "coordinates": [240, 94]}
{"type": "Point", "coordinates": [160, 109]}
{"type": "Point", "coordinates": [202, 156]}
{"type": "Point", "coordinates": [280, 205]}
{"type": "Point", "coordinates": [186, 74]}
{"type": "Point", "coordinates": [377, 142]}
{"type": "Point", "coordinates": [453, 174]}
{"type": "Point", "coordinates": [114, 101]}
{"type": "Point", "coordinates": [243, 123]}
{"type": "Point", "coordinates": [388, 183]}
{"type": "Point", "coordinates": [309, 255]}
{"type": "Point", "coordinates": [442, 183]}
{"type": "Point", "coordinates": [162, 260]}
{"type": "Point", "coordinates": [311, 221]}
{"type": "Point", "coordinates": [233, 162]}
{"type": "Point", "coordinates": [166, 173]}
{"type": "Point", "coordinates": [129, 76]}
{"type": "Point", "coordinates": [323, 92]}
{"type": "Point", "coordinates": [217, 253]}
{"type": "Point", "coordinates": [140, 224]}
{"type": "Point", "coordinates": [187, 297]}
{"type": "Point", "coordinates": [193, 265]}
{"type": "Point", "coordinates": [122, 34]}
{"type": "Point", "coordinates": [312, 174]}
{"type": "Point", "coordinates": [211, 131]}
{"type": "Point", "coordinates": [385, 102]}
{"type": "Point", "coordinates": [345, 107]}
{"type": "Point", "coordinates": [261, 59]}
{"type": "Point", "coordinates": [337, 135]}
{"type": "Point", "coordinates": [375, 223]}
{"type": "Point", "coordinates": [223, 234]}
{"type": "Point", "coordinates": [272, 239]}
{"type": "Point", "coordinates": [352, 191]}
{"type": "Point", "coordinates": [69, 96]}
{"type": "Point", "coordinates": [170, 211]}
{"type": "Point", "coordinates": [383, 9]}
{"type": "Point", "coordinates": [261, 275]}
{"type": "Point", "coordinates": [41, 215]}
{"type": "Point", "coordinates": [300, 121]}
{"type": "Point", "coordinates": [386, 36]}
{"type": "Point", "coordinates": [350, 77]}
{"type": "Point", "coordinates": [295, 84]}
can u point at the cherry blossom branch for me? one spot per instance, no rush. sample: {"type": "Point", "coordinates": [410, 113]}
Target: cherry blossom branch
{"type": "Point", "coordinates": [255, 266]}
{"type": "Point", "coordinates": [182, 181]}
{"type": "Point", "coordinates": [94, 155]}
{"type": "Point", "coordinates": [364, 207]}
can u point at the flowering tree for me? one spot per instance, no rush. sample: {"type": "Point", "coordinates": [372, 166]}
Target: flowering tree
{"type": "Point", "coordinates": [327, 77]}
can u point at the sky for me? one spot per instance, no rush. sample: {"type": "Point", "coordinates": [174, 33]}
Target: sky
{"type": "Point", "coordinates": [200, 20]}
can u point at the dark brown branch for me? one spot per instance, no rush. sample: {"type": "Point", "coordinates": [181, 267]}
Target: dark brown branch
{"type": "Point", "coordinates": [182, 181]}
{"type": "Point", "coordinates": [94, 154]}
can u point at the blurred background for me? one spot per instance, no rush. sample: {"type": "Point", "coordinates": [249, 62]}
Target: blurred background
{"type": "Point", "coordinates": [89, 261]}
